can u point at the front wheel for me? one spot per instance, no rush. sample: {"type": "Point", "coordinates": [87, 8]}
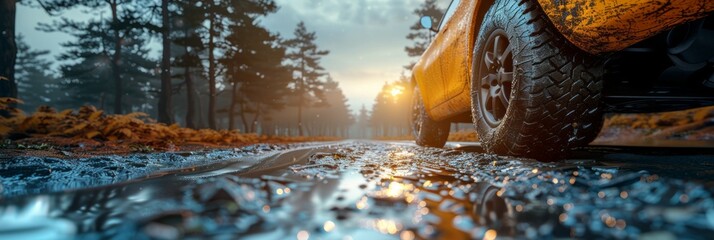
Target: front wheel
{"type": "Point", "coordinates": [533, 93]}
{"type": "Point", "coordinates": [427, 132]}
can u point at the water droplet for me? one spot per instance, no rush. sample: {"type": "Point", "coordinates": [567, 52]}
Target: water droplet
{"type": "Point", "coordinates": [407, 235]}
{"type": "Point", "coordinates": [490, 234]}
{"type": "Point", "coordinates": [623, 195]}
{"type": "Point", "coordinates": [563, 217]}
{"type": "Point", "coordinates": [329, 226]}
{"type": "Point", "coordinates": [303, 235]}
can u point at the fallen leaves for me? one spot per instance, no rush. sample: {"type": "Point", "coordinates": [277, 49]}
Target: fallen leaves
{"type": "Point", "coordinates": [92, 124]}
{"type": "Point", "coordinates": [464, 136]}
{"type": "Point", "coordinates": [654, 121]}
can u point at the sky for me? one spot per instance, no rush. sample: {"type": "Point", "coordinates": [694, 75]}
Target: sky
{"type": "Point", "coordinates": [366, 38]}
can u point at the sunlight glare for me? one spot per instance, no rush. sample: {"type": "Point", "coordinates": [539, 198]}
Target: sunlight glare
{"type": "Point", "coordinates": [396, 91]}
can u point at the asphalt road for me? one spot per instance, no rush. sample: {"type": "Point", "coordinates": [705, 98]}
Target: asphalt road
{"type": "Point", "coordinates": [371, 190]}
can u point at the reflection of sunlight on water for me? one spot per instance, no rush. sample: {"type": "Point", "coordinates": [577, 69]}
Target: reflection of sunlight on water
{"type": "Point", "coordinates": [303, 235]}
{"type": "Point", "coordinates": [396, 190]}
{"type": "Point", "coordinates": [404, 154]}
{"type": "Point", "coordinates": [490, 234]}
{"type": "Point", "coordinates": [387, 226]}
{"type": "Point", "coordinates": [141, 196]}
{"type": "Point", "coordinates": [328, 226]}
{"type": "Point", "coordinates": [407, 235]}
{"type": "Point", "coordinates": [281, 191]}
{"type": "Point", "coordinates": [362, 203]}
{"type": "Point", "coordinates": [34, 222]}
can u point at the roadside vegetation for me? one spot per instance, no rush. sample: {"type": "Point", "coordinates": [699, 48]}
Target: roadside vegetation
{"type": "Point", "coordinates": [219, 67]}
{"type": "Point", "coordinates": [693, 124]}
{"type": "Point", "coordinates": [222, 79]}
{"type": "Point", "coordinates": [89, 129]}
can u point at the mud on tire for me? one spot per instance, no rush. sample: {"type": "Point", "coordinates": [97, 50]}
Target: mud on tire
{"type": "Point", "coordinates": [553, 103]}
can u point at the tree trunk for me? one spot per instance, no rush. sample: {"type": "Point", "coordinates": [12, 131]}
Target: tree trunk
{"type": "Point", "coordinates": [242, 117]}
{"type": "Point", "coordinates": [232, 108]}
{"type": "Point", "coordinates": [200, 120]}
{"type": "Point", "coordinates": [165, 105]}
{"type": "Point", "coordinates": [211, 74]}
{"type": "Point", "coordinates": [116, 58]}
{"type": "Point", "coordinates": [8, 51]}
{"type": "Point", "coordinates": [300, 100]}
{"type": "Point", "coordinates": [254, 123]}
{"type": "Point", "coordinates": [190, 107]}
{"type": "Point", "coordinates": [301, 89]}
{"type": "Point", "coordinates": [102, 99]}
{"type": "Point", "coordinates": [191, 101]}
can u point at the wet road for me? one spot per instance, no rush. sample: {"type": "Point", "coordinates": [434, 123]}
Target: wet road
{"type": "Point", "coordinates": [388, 190]}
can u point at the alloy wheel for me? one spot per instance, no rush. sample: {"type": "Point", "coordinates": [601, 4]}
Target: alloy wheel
{"type": "Point", "coordinates": [496, 77]}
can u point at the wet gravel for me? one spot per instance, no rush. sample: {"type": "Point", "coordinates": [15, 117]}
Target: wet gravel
{"type": "Point", "coordinates": [372, 190]}
{"type": "Point", "coordinates": [33, 175]}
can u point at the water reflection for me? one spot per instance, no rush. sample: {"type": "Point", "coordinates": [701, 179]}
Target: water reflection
{"type": "Point", "coordinates": [368, 191]}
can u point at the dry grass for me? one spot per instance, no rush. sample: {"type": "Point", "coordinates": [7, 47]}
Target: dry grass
{"type": "Point", "coordinates": [660, 120]}
{"type": "Point", "coordinates": [89, 126]}
{"type": "Point", "coordinates": [464, 136]}
{"type": "Point", "coordinates": [692, 124]}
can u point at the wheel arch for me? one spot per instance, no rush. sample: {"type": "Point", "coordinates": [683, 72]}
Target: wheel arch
{"type": "Point", "coordinates": [479, 13]}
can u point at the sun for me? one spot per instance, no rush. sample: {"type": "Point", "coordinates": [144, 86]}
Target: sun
{"type": "Point", "coordinates": [396, 91]}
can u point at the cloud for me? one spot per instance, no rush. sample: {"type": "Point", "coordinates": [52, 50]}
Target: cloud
{"type": "Point", "coordinates": [366, 39]}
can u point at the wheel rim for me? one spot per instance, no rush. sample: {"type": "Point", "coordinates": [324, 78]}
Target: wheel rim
{"type": "Point", "coordinates": [496, 77]}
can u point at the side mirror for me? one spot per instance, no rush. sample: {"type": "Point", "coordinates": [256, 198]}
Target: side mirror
{"type": "Point", "coordinates": [427, 23]}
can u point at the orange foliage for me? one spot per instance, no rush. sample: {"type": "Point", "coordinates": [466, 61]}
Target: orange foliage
{"type": "Point", "coordinates": [660, 120]}
{"type": "Point", "coordinates": [90, 123]}
{"type": "Point", "coordinates": [464, 136]}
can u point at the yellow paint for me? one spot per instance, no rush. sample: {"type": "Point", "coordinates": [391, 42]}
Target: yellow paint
{"type": "Point", "coordinates": [596, 26]}
{"type": "Point", "coordinates": [444, 70]}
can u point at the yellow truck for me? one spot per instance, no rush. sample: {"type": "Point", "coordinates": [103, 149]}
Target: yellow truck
{"type": "Point", "coordinates": [536, 76]}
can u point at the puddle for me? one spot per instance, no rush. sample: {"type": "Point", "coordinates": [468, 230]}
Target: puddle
{"type": "Point", "coordinates": [379, 191]}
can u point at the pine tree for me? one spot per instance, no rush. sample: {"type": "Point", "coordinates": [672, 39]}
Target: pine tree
{"type": "Point", "coordinates": [305, 57]}
{"type": "Point", "coordinates": [8, 51]}
{"type": "Point", "coordinates": [218, 14]}
{"type": "Point", "coordinates": [330, 116]}
{"type": "Point", "coordinates": [89, 63]}
{"type": "Point", "coordinates": [363, 122]}
{"type": "Point", "coordinates": [165, 104]}
{"type": "Point", "coordinates": [254, 66]}
{"type": "Point", "coordinates": [392, 109]}
{"type": "Point", "coordinates": [189, 61]}
{"type": "Point", "coordinates": [421, 37]}
{"type": "Point", "coordinates": [123, 24]}
{"type": "Point", "coordinates": [35, 83]}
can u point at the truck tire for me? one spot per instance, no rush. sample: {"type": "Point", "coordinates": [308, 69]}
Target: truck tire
{"type": "Point", "coordinates": [533, 94]}
{"type": "Point", "coordinates": [427, 132]}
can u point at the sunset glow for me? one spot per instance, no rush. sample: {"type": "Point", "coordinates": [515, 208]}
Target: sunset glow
{"type": "Point", "coordinates": [396, 91]}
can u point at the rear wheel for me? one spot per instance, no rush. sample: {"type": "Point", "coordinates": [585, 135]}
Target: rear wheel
{"type": "Point", "coordinates": [427, 132]}
{"type": "Point", "coordinates": [533, 93]}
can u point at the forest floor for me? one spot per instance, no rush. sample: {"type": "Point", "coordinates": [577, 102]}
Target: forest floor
{"type": "Point", "coordinates": [90, 132]}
